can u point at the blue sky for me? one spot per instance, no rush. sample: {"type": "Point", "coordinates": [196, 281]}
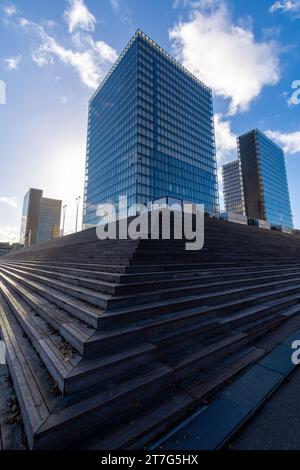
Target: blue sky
{"type": "Point", "coordinates": [54, 53]}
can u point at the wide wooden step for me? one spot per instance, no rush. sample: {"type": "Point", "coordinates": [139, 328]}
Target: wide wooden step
{"type": "Point", "coordinates": [109, 277]}
{"type": "Point", "coordinates": [12, 436]}
{"type": "Point", "coordinates": [87, 313]}
{"type": "Point", "coordinates": [192, 359]}
{"type": "Point", "coordinates": [69, 265]}
{"type": "Point", "coordinates": [210, 293]}
{"type": "Point", "coordinates": [134, 431]}
{"type": "Point", "coordinates": [77, 333]}
{"type": "Point", "coordinates": [193, 284]}
{"type": "Point", "coordinates": [203, 385]}
{"type": "Point", "coordinates": [111, 343]}
{"type": "Point", "coordinates": [66, 366]}
{"type": "Point", "coordinates": [37, 400]}
{"type": "Point", "coordinates": [96, 299]}
{"type": "Point", "coordinates": [159, 281]}
{"type": "Point", "coordinates": [86, 414]}
{"type": "Point", "coordinates": [149, 281]}
{"type": "Point", "coordinates": [225, 265]}
{"type": "Point", "coordinates": [49, 345]}
{"type": "Point", "coordinates": [28, 379]}
{"type": "Point", "coordinates": [194, 305]}
{"type": "Point", "coordinates": [105, 366]}
{"type": "Point", "coordinates": [78, 281]}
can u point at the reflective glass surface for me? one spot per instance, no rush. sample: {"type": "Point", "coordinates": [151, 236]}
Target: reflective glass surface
{"type": "Point", "coordinates": [265, 182]}
{"type": "Point", "coordinates": [233, 188]}
{"type": "Point", "coordinates": [150, 133]}
{"type": "Point", "coordinates": [273, 182]}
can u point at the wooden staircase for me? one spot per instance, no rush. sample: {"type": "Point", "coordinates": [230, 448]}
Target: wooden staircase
{"type": "Point", "coordinates": [110, 343]}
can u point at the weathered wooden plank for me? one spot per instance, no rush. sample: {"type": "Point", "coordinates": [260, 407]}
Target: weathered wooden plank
{"type": "Point", "coordinates": [87, 415]}
{"type": "Point", "coordinates": [12, 437]}
{"type": "Point", "coordinates": [38, 332]}
{"type": "Point", "coordinates": [32, 404]}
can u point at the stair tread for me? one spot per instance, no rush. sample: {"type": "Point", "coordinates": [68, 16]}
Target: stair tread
{"type": "Point", "coordinates": [34, 405]}
{"type": "Point", "coordinates": [157, 327]}
{"type": "Point", "coordinates": [91, 311]}
{"type": "Point", "coordinates": [44, 272]}
{"type": "Point", "coordinates": [89, 292]}
{"type": "Point", "coordinates": [206, 350]}
{"type": "Point", "coordinates": [205, 295]}
{"type": "Point", "coordinates": [70, 411]}
{"type": "Point", "coordinates": [202, 308]}
{"type": "Point", "coordinates": [11, 434]}
{"type": "Point", "coordinates": [151, 417]}
{"type": "Point", "coordinates": [200, 324]}
{"type": "Point", "coordinates": [148, 419]}
{"type": "Point", "coordinates": [45, 343]}
{"type": "Point", "coordinates": [153, 305]}
{"type": "Point", "coordinates": [195, 278]}
{"type": "Point", "coordinates": [261, 322]}
{"type": "Point", "coordinates": [262, 307]}
{"type": "Point", "coordinates": [58, 318]}
{"type": "Point", "coordinates": [77, 367]}
{"type": "Point", "coordinates": [207, 381]}
{"type": "Point", "coordinates": [89, 365]}
{"type": "Point", "coordinates": [291, 310]}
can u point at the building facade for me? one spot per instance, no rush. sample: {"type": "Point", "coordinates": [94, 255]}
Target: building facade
{"type": "Point", "coordinates": [233, 188]}
{"type": "Point", "coordinates": [150, 133]}
{"type": "Point", "coordinates": [5, 248]}
{"type": "Point", "coordinates": [30, 217]}
{"type": "Point", "coordinates": [40, 218]}
{"type": "Point", "coordinates": [49, 220]}
{"type": "Point", "coordinates": [264, 178]}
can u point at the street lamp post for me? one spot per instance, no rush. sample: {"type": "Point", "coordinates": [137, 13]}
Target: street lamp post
{"type": "Point", "coordinates": [77, 209]}
{"type": "Point", "coordinates": [64, 219]}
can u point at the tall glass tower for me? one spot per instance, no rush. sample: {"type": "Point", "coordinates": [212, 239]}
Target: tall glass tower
{"type": "Point", "coordinates": [233, 188]}
{"type": "Point", "coordinates": [150, 133]}
{"type": "Point", "coordinates": [40, 218]}
{"type": "Point", "coordinates": [266, 192]}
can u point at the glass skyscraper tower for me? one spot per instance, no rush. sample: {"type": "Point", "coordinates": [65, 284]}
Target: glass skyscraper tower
{"type": "Point", "coordinates": [265, 184]}
{"type": "Point", "coordinates": [40, 218]}
{"type": "Point", "coordinates": [150, 133]}
{"type": "Point", "coordinates": [233, 188]}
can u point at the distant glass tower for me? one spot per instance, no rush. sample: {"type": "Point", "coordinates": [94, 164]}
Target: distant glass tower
{"type": "Point", "coordinates": [40, 218]}
{"type": "Point", "coordinates": [233, 188]}
{"type": "Point", "coordinates": [150, 133]}
{"type": "Point", "coordinates": [265, 184]}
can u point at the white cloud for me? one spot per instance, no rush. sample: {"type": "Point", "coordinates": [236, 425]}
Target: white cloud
{"type": "Point", "coordinates": [89, 59]}
{"type": "Point", "coordinates": [9, 234]}
{"type": "Point", "coordinates": [121, 10]}
{"type": "Point", "coordinates": [287, 6]}
{"type": "Point", "coordinates": [12, 63]}
{"type": "Point", "coordinates": [78, 16]}
{"type": "Point", "coordinates": [224, 55]}
{"type": "Point", "coordinates": [203, 4]}
{"type": "Point", "coordinates": [64, 99]}
{"type": "Point", "coordinates": [289, 141]}
{"type": "Point", "coordinates": [10, 201]}
{"type": "Point", "coordinates": [225, 141]}
{"type": "Point", "coordinates": [226, 148]}
{"type": "Point", "coordinates": [10, 9]}
{"type": "Point", "coordinates": [115, 4]}
{"type": "Point", "coordinates": [101, 49]}
{"type": "Point", "coordinates": [23, 22]}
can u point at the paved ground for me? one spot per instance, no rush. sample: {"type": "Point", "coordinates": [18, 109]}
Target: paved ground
{"type": "Point", "coordinates": [277, 425]}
